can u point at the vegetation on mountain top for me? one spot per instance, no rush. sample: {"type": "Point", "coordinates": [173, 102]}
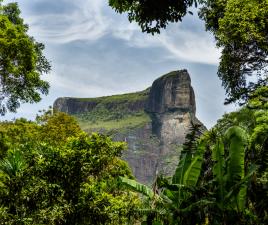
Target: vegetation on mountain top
{"type": "Point", "coordinates": [117, 118]}
{"type": "Point", "coordinates": [116, 112]}
{"type": "Point", "coordinates": [113, 121]}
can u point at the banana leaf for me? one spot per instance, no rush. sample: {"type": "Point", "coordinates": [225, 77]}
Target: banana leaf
{"type": "Point", "coordinates": [192, 174]}
{"type": "Point", "coordinates": [138, 187]}
{"type": "Point", "coordinates": [218, 170]}
{"type": "Point", "coordinates": [237, 140]}
{"type": "Point", "coordinates": [182, 167]}
{"type": "Point", "coordinates": [237, 193]}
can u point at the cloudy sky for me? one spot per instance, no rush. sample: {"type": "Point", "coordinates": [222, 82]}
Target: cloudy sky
{"type": "Point", "coordinates": [96, 52]}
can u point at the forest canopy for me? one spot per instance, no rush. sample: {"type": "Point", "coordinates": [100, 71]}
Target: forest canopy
{"type": "Point", "coordinates": [51, 172]}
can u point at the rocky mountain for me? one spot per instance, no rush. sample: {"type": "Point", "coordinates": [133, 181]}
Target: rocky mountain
{"type": "Point", "coordinates": [153, 122]}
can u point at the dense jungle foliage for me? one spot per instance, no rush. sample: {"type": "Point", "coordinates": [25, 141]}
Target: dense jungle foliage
{"type": "Point", "coordinates": [51, 172]}
{"type": "Point", "coordinates": [222, 176]}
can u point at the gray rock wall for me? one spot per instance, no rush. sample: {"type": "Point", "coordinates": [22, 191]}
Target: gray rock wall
{"type": "Point", "coordinates": [73, 105]}
{"type": "Point", "coordinates": [172, 92]}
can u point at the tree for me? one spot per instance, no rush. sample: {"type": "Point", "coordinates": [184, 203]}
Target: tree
{"type": "Point", "coordinates": [57, 127]}
{"type": "Point", "coordinates": [239, 27]}
{"type": "Point", "coordinates": [53, 129]}
{"type": "Point", "coordinates": [68, 178]}
{"type": "Point", "coordinates": [21, 62]}
{"type": "Point", "coordinates": [153, 15]}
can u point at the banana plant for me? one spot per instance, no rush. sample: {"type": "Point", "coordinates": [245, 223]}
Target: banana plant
{"type": "Point", "coordinates": [170, 195]}
{"type": "Point", "coordinates": [227, 191]}
{"type": "Point", "coordinates": [230, 182]}
{"type": "Point", "coordinates": [228, 175]}
{"type": "Point", "coordinates": [237, 141]}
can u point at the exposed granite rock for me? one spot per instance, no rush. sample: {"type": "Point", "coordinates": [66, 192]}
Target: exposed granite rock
{"type": "Point", "coordinates": [171, 105]}
{"type": "Point", "coordinates": [73, 105]}
{"type": "Point", "coordinates": [155, 146]}
{"type": "Point", "coordinates": [76, 106]}
{"type": "Point", "coordinates": [172, 92]}
{"type": "Point", "coordinates": [142, 154]}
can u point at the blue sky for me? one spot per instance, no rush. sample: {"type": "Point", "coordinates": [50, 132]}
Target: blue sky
{"type": "Point", "coordinates": [96, 52]}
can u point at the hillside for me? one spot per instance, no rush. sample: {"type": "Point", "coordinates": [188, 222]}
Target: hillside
{"type": "Point", "coordinates": [115, 113]}
{"type": "Point", "coordinates": [153, 122]}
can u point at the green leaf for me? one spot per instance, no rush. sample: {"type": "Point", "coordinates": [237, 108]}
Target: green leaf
{"type": "Point", "coordinates": [13, 164]}
{"type": "Point", "coordinates": [218, 169]}
{"type": "Point", "coordinates": [138, 187]}
{"type": "Point", "coordinates": [237, 140]}
{"type": "Point", "coordinates": [192, 174]}
{"type": "Point", "coordinates": [184, 163]}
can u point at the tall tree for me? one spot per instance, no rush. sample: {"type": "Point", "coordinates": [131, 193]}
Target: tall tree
{"type": "Point", "coordinates": [21, 62]}
{"type": "Point", "coordinates": [239, 27]}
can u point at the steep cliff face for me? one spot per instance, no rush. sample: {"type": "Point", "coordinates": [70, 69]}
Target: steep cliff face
{"type": "Point", "coordinates": [172, 108]}
{"type": "Point", "coordinates": [73, 106]}
{"type": "Point", "coordinates": [132, 102]}
{"type": "Point", "coordinates": [172, 92]}
{"type": "Point", "coordinates": [153, 122]}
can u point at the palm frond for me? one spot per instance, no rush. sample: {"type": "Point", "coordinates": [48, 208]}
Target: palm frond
{"type": "Point", "coordinates": [13, 164]}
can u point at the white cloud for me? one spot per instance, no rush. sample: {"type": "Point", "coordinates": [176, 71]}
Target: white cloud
{"type": "Point", "coordinates": [86, 21]}
{"type": "Point", "coordinates": [75, 86]}
{"type": "Point", "coordinates": [90, 20]}
{"type": "Point", "coordinates": [191, 47]}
